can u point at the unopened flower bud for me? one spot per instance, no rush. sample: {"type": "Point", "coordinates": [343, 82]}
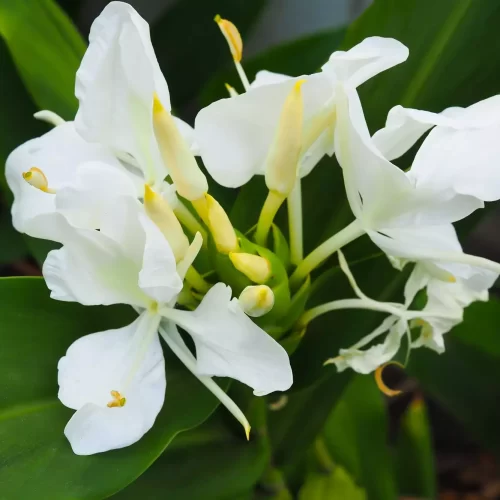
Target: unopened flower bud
{"type": "Point", "coordinates": [220, 226]}
{"type": "Point", "coordinates": [254, 267]}
{"type": "Point", "coordinates": [160, 212]}
{"type": "Point", "coordinates": [284, 153]}
{"type": "Point", "coordinates": [233, 37]}
{"type": "Point", "coordinates": [189, 180]}
{"type": "Point", "coordinates": [256, 300]}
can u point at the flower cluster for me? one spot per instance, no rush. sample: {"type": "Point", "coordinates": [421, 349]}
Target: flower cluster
{"type": "Point", "coordinates": [121, 190]}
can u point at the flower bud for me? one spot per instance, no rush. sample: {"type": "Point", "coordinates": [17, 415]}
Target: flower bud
{"type": "Point", "coordinates": [159, 211]}
{"type": "Point", "coordinates": [284, 153]}
{"type": "Point", "coordinates": [256, 300]}
{"type": "Point", "coordinates": [220, 226]}
{"type": "Point", "coordinates": [232, 36]}
{"type": "Point", "coordinates": [254, 267]}
{"type": "Point", "coordinates": [189, 180]}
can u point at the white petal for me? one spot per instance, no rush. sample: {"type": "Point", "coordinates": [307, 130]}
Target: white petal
{"type": "Point", "coordinates": [229, 344]}
{"type": "Point", "coordinates": [128, 360]}
{"type": "Point", "coordinates": [265, 77]}
{"type": "Point", "coordinates": [58, 154]}
{"type": "Point", "coordinates": [158, 277]}
{"type": "Point", "coordinates": [368, 360]}
{"type": "Point", "coordinates": [365, 60]}
{"type": "Point", "coordinates": [403, 129]}
{"type": "Point", "coordinates": [234, 134]}
{"type": "Point", "coordinates": [115, 85]}
{"type": "Point", "coordinates": [93, 269]}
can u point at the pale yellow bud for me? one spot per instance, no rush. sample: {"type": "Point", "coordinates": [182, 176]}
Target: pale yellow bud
{"type": "Point", "coordinates": [256, 300]}
{"type": "Point", "coordinates": [36, 178]}
{"type": "Point", "coordinates": [254, 267]}
{"type": "Point", "coordinates": [283, 157]}
{"type": "Point", "coordinates": [160, 212]}
{"type": "Point", "coordinates": [189, 180]}
{"type": "Point", "coordinates": [220, 226]}
{"type": "Point", "coordinates": [233, 37]}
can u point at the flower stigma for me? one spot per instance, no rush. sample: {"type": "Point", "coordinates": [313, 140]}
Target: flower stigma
{"type": "Point", "coordinates": [118, 400]}
{"type": "Point", "coordinates": [36, 178]}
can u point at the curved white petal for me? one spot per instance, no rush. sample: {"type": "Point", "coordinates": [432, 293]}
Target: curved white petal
{"type": "Point", "coordinates": [229, 344]}
{"type": "Point", "coordinates": [115, 85]}
{"type": "Point", "coordinates": [265, 77]}
{"type": "Point", "coordinates": [365, 60]}
{"type": "Point", "coordinates": [93, 269]}
{"type": "Point", "coordinates": [57, 153]}
{"type": "Point", "coordinates": [405, 126]}
{"type": "Point", "coordinates": [234, 135]}
{"type": "Point", "coordinates": [128, 360]}
{"type": "Point", "coordinates": [158, 277]}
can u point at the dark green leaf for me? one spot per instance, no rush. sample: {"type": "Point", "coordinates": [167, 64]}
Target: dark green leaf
{"type": "Point", "coordinates": [189, 45]}
{"type": "Point", "coordinates": [356, 437]}
{"type": "Point", "coordinates": [37, 461]}
{"type": "Point", "coordinates": [13, 246]}
{"type": "Point", "coordinates": [415, 455]}
{"type": "Point", "coordinates": [47, 50]}
{"type": "Point", "coordinates": [209, 462]}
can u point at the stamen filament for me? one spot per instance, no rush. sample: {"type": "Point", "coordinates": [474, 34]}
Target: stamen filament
{"type": "Point", "coordinates": [325, 250]}
{"type": "Point", "coordinates": [242, 75]}
{"type": "Point", "coordinates": [49, 117]}
{"type": "Point", "coordinates": [173, 340]}
{"type": "Point", "coordinates": [271, 206]}
{"type": "Point", "coordinates": [295, 227]}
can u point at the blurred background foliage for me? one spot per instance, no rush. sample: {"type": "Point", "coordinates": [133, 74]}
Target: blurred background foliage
{"type": "Point", "coordinates": [334, 436]}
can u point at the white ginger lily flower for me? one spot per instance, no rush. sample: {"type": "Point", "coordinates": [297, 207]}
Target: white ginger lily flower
{"type": "Point", "coordinates": [235, 135]}
{"type": "Point", "coordinates": [459, 156]}
{"type": "Point", "coordinates": [125, 103]}
{"type": "Point", "coordinates": [115, 379]}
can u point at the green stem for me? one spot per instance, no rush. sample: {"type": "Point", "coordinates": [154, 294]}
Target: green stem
{"type": "Point", "coordinates": [271, 206]}
{"type": "Point", "coordinates": [295, 226]}
{"type": "Point", "coordinates": [327, 248]}
{"type": "Point", "coordinates": [195, 279]}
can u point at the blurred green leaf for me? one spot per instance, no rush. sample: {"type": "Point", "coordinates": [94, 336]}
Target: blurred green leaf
{"type": "Point", "coordinates": [13, 246]}
{"type": "Point", "coordinates": [189, 45]}
{"type": "Point", "coordinates": [465, 377]}
{"type": "Point", "coordinates": [414, 459]}
{"type": "Point", "coordinates": [37, 461]}
{"type": "Point", "coordinates": [208, 462]}
{"type": "Point", "coordinates": [356, 438]}
{"type": "Point", "coordinates": [336, 485]}
{"type": "Point", "coordinates": [47, 50]}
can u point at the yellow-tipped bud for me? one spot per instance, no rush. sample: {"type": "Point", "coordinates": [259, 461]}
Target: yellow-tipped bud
{"type": "Point", "coordinates": [220, 226]}
{"type": "Point", "coordinates": [233, 37]}
{"type": "Point", "coordinates": [256, 300]}
{"type": "Point", "coordinates": [283, 157]}
{"type": "Point", "coordinates": [160, 212]}
{"type": "Point", "coordinates": [254, 267]}
{"type": "Point", "coordinates": [36, 178]}
{"type": "Point", "coordinates": [189, 180]}
{"type": "Point", "coordinates": [231, 90]}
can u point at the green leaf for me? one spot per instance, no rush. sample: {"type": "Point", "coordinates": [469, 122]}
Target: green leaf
{"type": "Point", "coordinates": [209, 462]}
{"type": "Point", "coordinates": [37, 461]}
{"type": "Point", "coordinates": [414, 462]}
{"type": "Point", "coordinates": [13, 246]}
{"type": "Point", "coordinates": [47, 50]}
{"type": "Point", "coordinates": [336, 485]}
{"type": "Point", "coordinates": [465, 377]}
{"type": "Point", "coordinates": [356, 438]}
{"type": "Point", "coordinates": [189, 45]}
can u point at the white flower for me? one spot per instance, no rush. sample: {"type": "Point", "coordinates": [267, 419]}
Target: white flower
{"type": "Point", "coordinates": [129, 261]}
{"type": "Point", "coordinates": [235, 134]}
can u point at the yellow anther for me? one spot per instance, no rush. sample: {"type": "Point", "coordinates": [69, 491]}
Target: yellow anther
{"type": "Point", "coordinates": [231, 90]}
{"type": "Point", "coordinates": [452, 279]}
{"type": "Point", "coordinates": [160, 212]}
{"type": "Point", "coordinates": [254, 267]}
{"type": "Point", "coordinates": [36, 178]}
{"type": "Point", "coordinates": [283, 157]}
{"type": "Point", "coordinates": [118, 401]}
{"type": "Point", "coordinates": [220, 226]}
{"type": "Point", "coordinates": [247, 431]}
{"type": "Point", "coordinates": [189, 180]}
{"type": "Point", "coordinates": [380, 382]}
{"type": "Point", "coordinates": [426, 327]}
{"type": "Point", "coordinates": [256, 300]}
{"type": "Point", "coordinates": [279, 404]}
{"type": "Point", "coordinates": [233, 37]}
